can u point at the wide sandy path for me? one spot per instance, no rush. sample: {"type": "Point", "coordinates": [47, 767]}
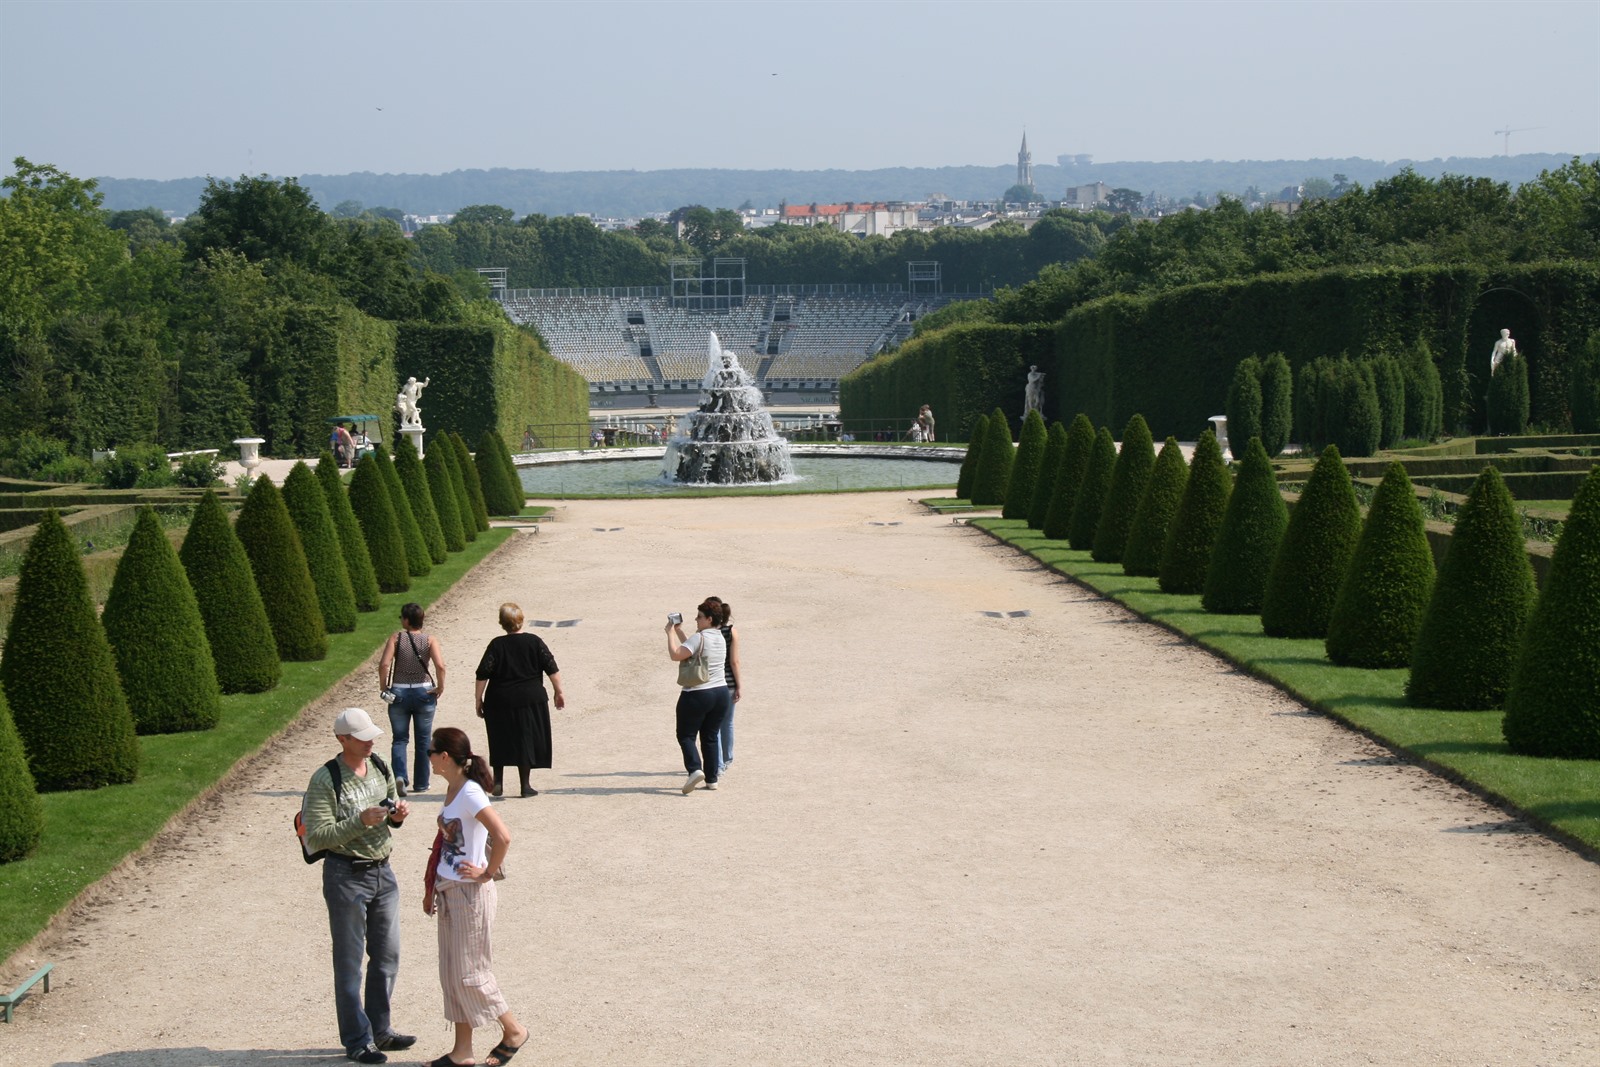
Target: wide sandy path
{"type": "Point", "coordinates": [946, 838]}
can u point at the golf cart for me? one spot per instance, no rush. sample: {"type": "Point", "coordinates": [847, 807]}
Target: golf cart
{"type": "Point", "coordinates": [363, 428]}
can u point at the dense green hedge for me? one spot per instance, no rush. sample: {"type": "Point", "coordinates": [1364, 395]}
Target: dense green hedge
{"type": "Point", "coordinates": [224, 586]}
{"type": "Point", "coordinates": [59, 675]}
{"type": "Point", "coordinates": [1243, 407]}
{"type": "Point", "coordinates": [1553, 706]}
{"type": "Point", "coordinates": [357, 561]}
{"type": "Point", "coordinates": [1472, 631]}
{"type": "Point", "coordinates": [443, 493]}
{"type": "Point", "coordinates": [1277, 403]}
{"type": "Point", "coordinates": [380, 529]}
{"type": "Point", "coordinates": [153, 622]}
{"type": "Point", "coordinates": [414, 480]}
{"type": "Point", "coordinates": [445, 446]}
{"type": "Point", "coordinates": [469, 476]}
{"type": "Point", "coordinates": [1380, 604]}
{"type": "Point", "coordinates": [1091, 499]}
{"type": "Point", "coordinates": [491, 375]}
{"type": "Point", "coordinates": [969, 461]}
{"type": "Point", "coordinates": [1171, 356]}
{"type": "Point", "coordinates": [963, 371]}
{"type": "Point", "coordinates": [419, 560]}
{"type": "Point", "coordinates": [1508, 397]}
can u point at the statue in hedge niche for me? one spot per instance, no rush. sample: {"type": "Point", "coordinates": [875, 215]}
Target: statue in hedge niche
{"type": "Point", "coordinates": [1033, 395]}
{"type": "Point", "coordinates": [1504, 348]}
{"type": "Point", "coordinates": [408, 401]}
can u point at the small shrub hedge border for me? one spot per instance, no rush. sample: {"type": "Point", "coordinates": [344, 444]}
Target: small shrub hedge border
{"type": "Point", "coordinates": [177, 769]}
{"type": "Point", "coordinates": [1554, 795]}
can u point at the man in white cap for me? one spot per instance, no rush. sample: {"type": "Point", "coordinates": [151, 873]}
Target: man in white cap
{"type": "Point", "coordinates": [350, 808]}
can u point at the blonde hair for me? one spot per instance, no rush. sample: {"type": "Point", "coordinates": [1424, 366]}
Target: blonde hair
{"type": "Point", "coordinates": [510, 617]}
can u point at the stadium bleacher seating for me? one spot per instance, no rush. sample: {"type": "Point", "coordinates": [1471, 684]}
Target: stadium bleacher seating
{"type": "Point", "coordinates": [624, 340]}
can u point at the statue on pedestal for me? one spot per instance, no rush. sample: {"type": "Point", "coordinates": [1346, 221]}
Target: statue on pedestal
{"type": "Point", "coordinates": [407, 402]}
{"type": "Point", "coordinates": [1033, 396]}
{"type": "Point", "coordinates": [1503, 348]}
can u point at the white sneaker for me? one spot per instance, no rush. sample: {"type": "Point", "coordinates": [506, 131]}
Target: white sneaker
{"type": "Point", "coordinates": [694, 779]}
{"type": "Point", "coordinates": [711, 785]}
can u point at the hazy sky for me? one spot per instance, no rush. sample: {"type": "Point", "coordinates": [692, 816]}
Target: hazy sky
{"type": "Point", "coordinates": [140, 89]}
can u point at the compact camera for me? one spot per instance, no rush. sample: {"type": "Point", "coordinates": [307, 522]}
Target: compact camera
{"type": "Point", "coordinates": [676, 618]}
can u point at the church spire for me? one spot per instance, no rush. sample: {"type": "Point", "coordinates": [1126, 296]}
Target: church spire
{"type": "Point", "coordinates": [1025, 163]}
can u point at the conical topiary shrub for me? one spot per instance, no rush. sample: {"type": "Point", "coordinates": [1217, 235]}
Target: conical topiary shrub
{"type": "Point", "coordinates": [419, 561]}
{"type": "Point", "coordinates": [1162, 495]}
{"type": "Point", "coordinates": [1092, 493]}
{"type": "Point", "coordinates": [1424, 394]}
{"type": "Point", "coordinates": [1277, 403]}
{"type": "Point", "coordinates": [357, 561]}
{"type": "Point", "coordinates": [458, 485]}
{"type": "Point", "coordinates": [1055, 446]}
{"type": "Point", "coordinates": [969, 462]}
{"type": "Point", "coordinates": [1553, 706]}
{"type": "Point", "coordinates": [1247, 543]}
{"type": "Point", "coordinates": [369, 500]}
{"type": "Point", "coordinates": [1472, 630]}
{"type": "Point", "coordinates": [237, 627]}
{"type": "Point", "coordinates": [59, 676]}
{"type": "Point", "coordinates": [1129, 477]}
{"type": "Point", "coordinates": [1391, 383]}
{"type": "Point", "coordinates": [153, 622]}
{"type": "Point", "coordinates": [994, 463]}
{"type": "Point", "coordinates": [1315, 554]}
{"type": "Point", "coordinates": [444, 497]}
{"type": "Point", "coordinates": [469, 476]}
{"type": "Point", "coordinates": [1380, 604]}
{"type": "Point", "coordinates": [278, 561]}
{"type": "Point", "coordinates": [519, 495]}
{"type": "Point", "coordinates": [1025, 470]}
{"type": "Point", "coordinates": [308, 510]}
{"type": "Point", "coordinates": [21, 814]}
{"type": "Point", "coordinates": [420, 496]}
{"type": "Point", "coordinates": [1186, 557]}
{"type": "Point", "coordinates": [498, 495]}
{"type": "Point", "coordinates": [1243, 406]}
{"type": "Point", "coordinates": [1069, 478]}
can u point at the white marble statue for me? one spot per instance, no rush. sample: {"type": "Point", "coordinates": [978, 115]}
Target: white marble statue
{"type": "Point", "coordinates": [1503, 348]}
{"type": "Point", "coordinates": [408, 401]}
{"type": "Point", "coordinates": [1033, 396]}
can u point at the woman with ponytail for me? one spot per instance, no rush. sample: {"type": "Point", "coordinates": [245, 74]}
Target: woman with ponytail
{"type": "Point", "coordinates": [472, 845]}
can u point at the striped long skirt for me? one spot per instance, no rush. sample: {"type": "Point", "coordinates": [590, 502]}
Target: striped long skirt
{"type": "Point", "coordinates": [466, 960]}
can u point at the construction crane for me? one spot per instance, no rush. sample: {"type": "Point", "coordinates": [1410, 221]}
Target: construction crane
{"type": "Point", "coordinates": [1508, 131]}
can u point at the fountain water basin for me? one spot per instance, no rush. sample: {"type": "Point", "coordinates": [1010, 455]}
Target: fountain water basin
{"type": "Point", "coordinates": [729, 439]}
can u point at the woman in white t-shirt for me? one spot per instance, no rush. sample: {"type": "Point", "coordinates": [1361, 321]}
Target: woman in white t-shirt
{"type": "Point", "coordinates": [703, 707]}
{"type": "Point", "coordinates": [472, 844]}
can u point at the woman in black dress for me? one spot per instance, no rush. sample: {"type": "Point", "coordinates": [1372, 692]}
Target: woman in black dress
{"type": "Point", "coordinates": [511, 700]}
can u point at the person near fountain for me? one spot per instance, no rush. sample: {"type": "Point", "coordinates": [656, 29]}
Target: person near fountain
{"type": "Point", "coordinates": [925, 420]}
{"type": "Point", "coordinates": [702, 707]}
{"type": "Point", "coordinates": [734, 673]}
{"type": "Point", "coordinates": [512, 703]}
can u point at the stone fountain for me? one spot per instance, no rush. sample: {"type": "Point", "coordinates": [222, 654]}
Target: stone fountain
{"type": "Point", "coordinates": [729, 439]}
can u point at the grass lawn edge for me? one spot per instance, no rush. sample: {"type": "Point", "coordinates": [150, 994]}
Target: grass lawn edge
{"type": "Point", "coordinates": [1585, 840]}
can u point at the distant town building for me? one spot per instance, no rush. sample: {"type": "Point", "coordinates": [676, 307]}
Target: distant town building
{"type": "Point", "coordinates": [881, 218]}
{"type": "Point", "coordinates": [1025, 163]}
{"type": "Point", "coordinates": [1087, 197]}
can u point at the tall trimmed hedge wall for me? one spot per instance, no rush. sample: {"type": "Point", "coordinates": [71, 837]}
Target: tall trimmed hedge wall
{"type": "Point", "coordinates": [1171, 356]}
{"type": "Point", "coordinates": [965, 371]}
{"type": "Point", "coordinates": [493, 376]}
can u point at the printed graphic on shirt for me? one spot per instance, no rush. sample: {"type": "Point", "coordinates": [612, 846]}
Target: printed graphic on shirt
{"type": "Point", "coordinates": [453, 852]}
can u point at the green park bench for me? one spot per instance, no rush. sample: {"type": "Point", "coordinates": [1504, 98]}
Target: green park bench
{"type": "Point", "coordinates": [13, 998]}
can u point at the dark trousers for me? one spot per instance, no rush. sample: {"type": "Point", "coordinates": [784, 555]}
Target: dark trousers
{"type": "Point", "coordinates": [700, 714]}
{"type": "Point", "coordinates": [364, 918]}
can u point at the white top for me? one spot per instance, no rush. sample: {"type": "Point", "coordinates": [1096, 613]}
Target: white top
{"type": "Point", "coordinates": [716, 657]}
{"type": "Point", "coordinates": [466, 840]}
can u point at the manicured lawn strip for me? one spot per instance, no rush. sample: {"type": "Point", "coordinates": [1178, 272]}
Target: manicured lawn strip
{"type": "Point", "coordinates": [89, 832]}
{"type": "Point", "coordinates": [1562, 797]}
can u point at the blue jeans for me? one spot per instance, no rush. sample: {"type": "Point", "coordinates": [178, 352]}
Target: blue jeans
{"type": "Point", "coordinates": [414, 703]}
{"type": "Point", "coordinates": [700, 715]}
{"type": "Point", "coordinates": [725, 735]}
{"type": "Point", "coordinates": [363, 916]}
